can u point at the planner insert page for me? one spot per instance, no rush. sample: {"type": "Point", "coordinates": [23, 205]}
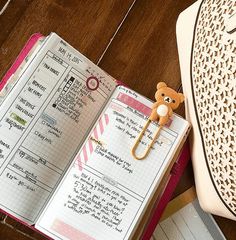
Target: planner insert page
{"type": "Point", "coordinates": [43, 123]}
{"type": "Point", "coordinates": [105, 192]}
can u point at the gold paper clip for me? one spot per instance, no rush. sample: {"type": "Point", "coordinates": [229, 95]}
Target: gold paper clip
{"type": "Point", "coordinates": [139, 139]}
{"type": "Point", "coordinates": [167, 100]}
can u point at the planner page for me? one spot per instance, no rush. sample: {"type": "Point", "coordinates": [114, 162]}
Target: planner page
{"type": "Point", "coordinates": [105, 192]}
{"type": "Point", "coordinates": [43, 123]}
{"type": "Point", "coordinates": [183, 219]}
{"type": "Point", "coordinates": [189, 223]}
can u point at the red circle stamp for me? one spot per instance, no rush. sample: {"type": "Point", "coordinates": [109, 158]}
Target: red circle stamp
{"type": "Point", "coordinates": [92, 83]}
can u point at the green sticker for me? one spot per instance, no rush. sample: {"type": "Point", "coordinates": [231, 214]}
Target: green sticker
{"type": "Point", "coordinates": [18, 119]}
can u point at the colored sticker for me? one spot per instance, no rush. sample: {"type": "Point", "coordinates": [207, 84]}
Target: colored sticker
{"type": "Point", "coordinates": [92, 83]}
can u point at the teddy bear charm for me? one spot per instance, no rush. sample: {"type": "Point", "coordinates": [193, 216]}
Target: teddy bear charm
{"type": "Point", "coordinates": [167, 100]}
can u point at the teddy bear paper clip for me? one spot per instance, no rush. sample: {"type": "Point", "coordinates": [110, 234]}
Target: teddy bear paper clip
{"type": "Point", "coordinates": [167, 100]}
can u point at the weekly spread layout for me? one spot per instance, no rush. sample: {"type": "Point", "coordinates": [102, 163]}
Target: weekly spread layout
{"type": "Point", "coordinates": [66, 133]}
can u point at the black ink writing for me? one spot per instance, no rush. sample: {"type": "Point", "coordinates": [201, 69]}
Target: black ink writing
{"type": "Point", "coordinates": [98, 200]}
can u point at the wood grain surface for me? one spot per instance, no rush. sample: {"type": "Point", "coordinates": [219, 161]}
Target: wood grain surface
{"type": "Point", "coordinates": [132, 40]}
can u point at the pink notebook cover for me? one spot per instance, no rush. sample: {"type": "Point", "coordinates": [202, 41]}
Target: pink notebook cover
{"type": "Point", "coordinates": [176, 171]}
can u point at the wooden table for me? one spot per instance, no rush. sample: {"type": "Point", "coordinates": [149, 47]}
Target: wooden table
{"type": "Point", "coordinates": [133, 40]}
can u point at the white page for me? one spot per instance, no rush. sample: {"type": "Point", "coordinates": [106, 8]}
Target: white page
{"type": "Point", "coordinates": [188, 223]}
{"type": "Point", "coordinates": [43, 122]}
{"type": "Point", "coordinates": [106, 190]}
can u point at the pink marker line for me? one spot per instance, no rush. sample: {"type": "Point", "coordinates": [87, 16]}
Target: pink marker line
{"type": "Point", "coordinates": [88, 147]}
{"type": "Point", "coordinates": [90, 143]}
{"type": "Point", "coordinates": [134, 103]}
{"type": "Point", "coordinates": [106, 119]}
{"type": "Point", "coordinates": [79, 163]}
{"type": "Point", "coordinates": [68, 231]}
{"type": "Point", "coordinates": [95, 133]}
{"type": "Point", "coordinates": [101, 126]}
{"type": "Point", "coordinates": [85, 154]}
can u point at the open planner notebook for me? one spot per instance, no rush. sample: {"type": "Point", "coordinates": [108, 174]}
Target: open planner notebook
{"type": "Point", "coordinates": [66, 133]}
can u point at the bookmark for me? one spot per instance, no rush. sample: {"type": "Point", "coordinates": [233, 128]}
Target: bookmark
{"type": "Point", "coordinates": [167, 100]}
